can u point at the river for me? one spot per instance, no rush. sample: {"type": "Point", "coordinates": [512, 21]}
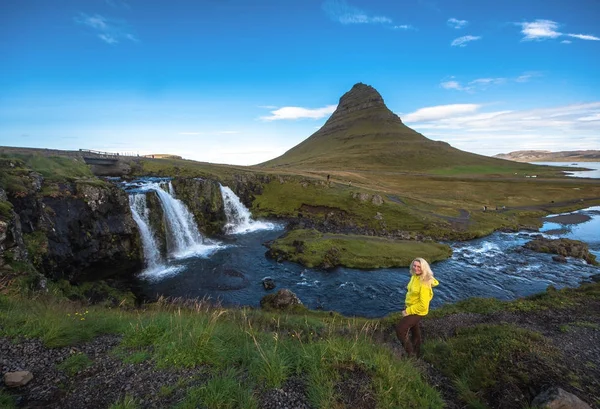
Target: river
{"type": "Point", "coordinates": [495, 266]}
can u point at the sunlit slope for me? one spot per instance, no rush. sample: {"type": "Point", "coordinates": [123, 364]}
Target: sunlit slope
{"type": "Point", "coordinates": [363, 134]}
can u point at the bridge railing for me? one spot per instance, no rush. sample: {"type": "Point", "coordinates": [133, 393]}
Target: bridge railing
{"type": "Point", "coordinates": [106, 154]}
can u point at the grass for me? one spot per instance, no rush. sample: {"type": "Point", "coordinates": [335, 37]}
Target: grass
{"type": "Point", "coordinates": [240, 350]}
{"type": "Point", "coordinates": [52, 168]}
{"type": "Point", "coordinates": [484, 359]}
{"type": "Point", "coordinates": [6, 208]}
{"type": "Point", "coordinates": [75, 363]}
{"type": "Point", "coordinates": [222, 391]}
{"type": "Point", "coordinates": [7, 401]}
{"type": "Point", "coordinates": [551, 299]}
{"type": "Point", "coordinates": [128, 402]}
{"type": "Point", "coordinates": [314, 249]}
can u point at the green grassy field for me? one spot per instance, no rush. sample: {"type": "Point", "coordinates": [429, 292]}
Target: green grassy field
{"type": "Point", "coordinates": [314, 249]}
{"type": "Point", "coordinates": [242, 352]}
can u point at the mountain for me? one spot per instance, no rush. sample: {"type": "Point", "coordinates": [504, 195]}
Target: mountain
{"type": "Point", "coordinates": [547, 156]}
{"type": "Point", "coordinates": [363, 134]}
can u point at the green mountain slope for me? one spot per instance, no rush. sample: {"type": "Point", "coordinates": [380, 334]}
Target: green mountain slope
{"type": "Point", "coordinates": [363, 134]}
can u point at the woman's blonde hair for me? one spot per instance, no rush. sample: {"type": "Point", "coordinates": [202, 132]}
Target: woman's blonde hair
{"type": "Point", "coordinates": [426, 273]}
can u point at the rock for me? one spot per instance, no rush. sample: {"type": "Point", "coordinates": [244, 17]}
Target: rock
{"type": "Point", "coordinates": [557, 398]}
{"type": "Point", "coordinates": [79, 231]}
{"type": "Point", "coordinates": [378, 216]}
{"type": "Point", "coordinates": [268, 283]}
{"type": "Point", "coordinates": [377, 200]}
{"type": "Point", "coordinates": [595, 278]}
{"type": "Point", "coordinates": [282, 299]}
{"type": "Point", "coordinates": [16, 379]}
{"type": "Point", "coordinates": [559, 258]}
{"type": "Point", "coordinates": [204, 200]}
{"type": "Point", "coordinates": [562, 247]}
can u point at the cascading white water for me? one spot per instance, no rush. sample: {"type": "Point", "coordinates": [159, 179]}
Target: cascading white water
{"type": "Point", "coordinates": [239, 218]}
{"type": "Point", "coordinates": [182, 232]}
{"type": "Point", "coordinates": [139, 210]}
{"type": "Point", "coordinates": [182, 235]}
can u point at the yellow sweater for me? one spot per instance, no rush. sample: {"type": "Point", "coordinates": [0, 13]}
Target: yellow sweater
{"type": "Point", "coordinates": [418, 296]}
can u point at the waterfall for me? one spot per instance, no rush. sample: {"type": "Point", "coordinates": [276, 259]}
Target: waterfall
{"type": "Point", "coordinates": [182, 231]}
{"type": "Point", "coordinates": [183, 238]}
{"type": "Point", "coordinates": [239, 218]}
{"type": "Point", "coordinates": [139, 210]}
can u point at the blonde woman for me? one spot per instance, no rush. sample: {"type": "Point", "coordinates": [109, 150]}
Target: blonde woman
{"type": "Point", "coordinates": [419, 295]}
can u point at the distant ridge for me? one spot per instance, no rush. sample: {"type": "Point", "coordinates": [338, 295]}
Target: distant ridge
{"type": "Point", "coordinates": [363, 134]}
{"type": "Point", "coordinates": [547, 156]}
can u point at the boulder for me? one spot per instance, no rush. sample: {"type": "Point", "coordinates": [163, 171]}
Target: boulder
{"type": "Point", "coordinates": [16, 379]}
{"type": "Point", "coordinates": [282, 299]}
{"type": "Point", "coordinates": [377, 200]}
{"type": "Point", "coordinates": [562, 247]}
{"type": "Point", "coordinates": [560, 259]}
{"type": "Point", "coordinates": [557, 398]}
{"type": "Point", "coordinates": [268, 283]}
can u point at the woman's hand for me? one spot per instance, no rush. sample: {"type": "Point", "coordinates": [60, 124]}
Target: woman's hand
{"type": "Point", "coordinates": [404, 314]}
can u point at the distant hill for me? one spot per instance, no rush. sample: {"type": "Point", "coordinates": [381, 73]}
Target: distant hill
{"type": "Point", "coordinates": [162, 156]}
{"type": "Point", "coordinates": [363, 134]}
{"type": "Point", "coordinates": [547, 156]}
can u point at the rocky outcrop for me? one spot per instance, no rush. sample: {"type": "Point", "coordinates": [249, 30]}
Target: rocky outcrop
{"type": "Point", "coordinates": [12, 247]}
{"type": "Point", "coordinates": [157, 221]}
{"type": "Point", "coordinates": [247, 186]}
{"type": "Point", "coordinates": [18, 378]}
{"type": "Point", "coordinates": [203, 199]}
{"type": "Point", "coordinates": [361, 98]}
{"type": "Point", "coordinates": [562, 247]}
{"type": "Point", "coordinates": [77, 231]}
{"type": "Point", "coordinates": [557, 398]}
{"type": "Point", "coordinates": [281, 300]}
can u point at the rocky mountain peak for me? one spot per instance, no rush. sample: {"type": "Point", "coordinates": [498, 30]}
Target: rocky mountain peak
{"type": "Point", "coordinates": [362, 97]}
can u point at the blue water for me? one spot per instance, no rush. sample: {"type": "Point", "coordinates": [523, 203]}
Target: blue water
{"type": "Point", "coordinates": [593, 173]}
{"type": "Point", "coordinates": [495, 266]}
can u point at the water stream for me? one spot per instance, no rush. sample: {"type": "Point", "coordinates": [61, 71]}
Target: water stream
{"type": "Point", "coordinates": [231, 271]}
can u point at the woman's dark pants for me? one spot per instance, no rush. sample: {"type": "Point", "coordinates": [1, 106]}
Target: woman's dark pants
{"type": "Point", "coordinates": [408, 326]}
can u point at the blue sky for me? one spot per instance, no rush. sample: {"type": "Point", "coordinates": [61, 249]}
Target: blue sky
{"type": "Point", "coordinates": [242, 81]}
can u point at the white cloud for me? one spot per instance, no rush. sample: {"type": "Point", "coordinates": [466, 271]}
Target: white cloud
{"type": "Point", "coordinates": [439, 112]}
{"type": "Point", "coordinates": [342, 12]}
{"type": "Point", "coordinates": [584, 37]}
{"type": "Point", "coordinates": [566, 42]}
{"type": "Point", "coordinates": [299, 112]}
{"type": "Point", "coordinates": [466, 127]}
{"type": "Point", "coordinates": [548, 29]}
{"type": "Point", "coordinates": [540, 30]}
{"type": "Point", "coordinates": [109, 31]}
{"type": "Point", "coordinates": [462, 41]}
{"type": "Point", "coordinates": [594, 117]}
{"type": "Point", "coordinates": [403, 27]}
{"type": "Point", "coordinates": [524, 77]}
{"type": "Point", "coordinates": [455, 23]}
{"type": "Point", "coordinates": [451, 85]}
{"type": "Point", "coordinates": [481, 84]}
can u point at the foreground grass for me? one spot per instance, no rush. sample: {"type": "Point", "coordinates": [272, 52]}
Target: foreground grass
{"type": "Point", "coordinates": [314, 249]}
{"type": "Point", "coordinates": [240, 352]}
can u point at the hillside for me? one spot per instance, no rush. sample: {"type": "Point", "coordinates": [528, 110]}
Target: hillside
{"type": "Point", "coordinates": [548, 156]}
{"type": "Point", "coordinates": [363, 134]}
